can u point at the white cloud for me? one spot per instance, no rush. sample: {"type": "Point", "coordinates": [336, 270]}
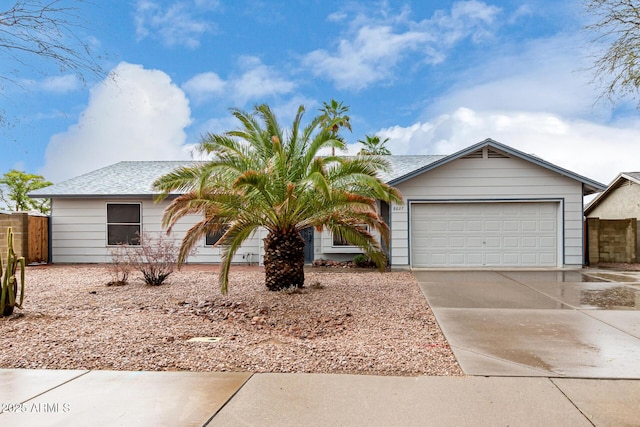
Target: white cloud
{"type": "Point", "coordinates": [466, 19]}
{"type": "Point", "coordinates": [367, 59]}
{"type": "Point", "coordinates": [596, 151]}
{"type": "Point", "coordinates": [254, 82]}
{"type": "Point", "coordinates": [258, 80]}
{"type": "Point", "coordinates": [175, 25]}
{"type": "Point", "coordinates": [135, 114]}
{"type": "Point", "coordinates": [374, 47]}
{"type": "Point", "coordinates": [204, 86]}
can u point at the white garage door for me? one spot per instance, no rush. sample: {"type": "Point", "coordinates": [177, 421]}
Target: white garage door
{"type": "Point", "coordinates": [484, 234]}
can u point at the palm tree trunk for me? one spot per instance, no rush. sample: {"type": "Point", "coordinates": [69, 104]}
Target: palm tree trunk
{"type": "Point", "coordinates": [283, 261]}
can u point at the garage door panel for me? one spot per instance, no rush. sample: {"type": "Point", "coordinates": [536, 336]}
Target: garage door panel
{"type": "Point", "coordinates": [548, 225]}
{"type": "Point", "coordinates": [457, 242]}
{"type": "Point", "coordinates": [439, 259]}
{"type": "Point", "coordinates": [484, 234]}
{"type": "Point", "coordinates": [511, 259]}
{"type": "Point", "coordinates": [474, 242]}
{"type": "Point", "coordinates": [547, 242]}
{"type": "Point", "coordinates": [439, 226]}
{"type": "Point", "coordinates": [492, 242]}
{"type": "Point", "coordinates": [474, 225]}
{"type": "Point", "coordinates": [513, 226]}
{"type": "Point", "coordinates": [547, 259]}
{"type": "Point", "coordinates": [457, 259]}
{"type": "Point", "coordinates": [456, 226]}
{"type": "Point", "coordinates": [439, 242]}
{"type": "Point", "coordinates": [493, 258]}
{"type": "Point", "coordinates": [490, 226]}
{"type": "Point", "coordinates": [511, 242]}
{"type": "Point", "coordinates": [530, 259]}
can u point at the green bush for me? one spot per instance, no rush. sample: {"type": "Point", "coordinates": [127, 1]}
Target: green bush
{"type": "Point", "coordinates": [362, 261]}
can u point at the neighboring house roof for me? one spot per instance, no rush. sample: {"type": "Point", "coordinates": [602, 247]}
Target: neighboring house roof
{"type": "Point", "coordinates": [135, 178]}
{"type": "Point", "coordinates": [619, 180]}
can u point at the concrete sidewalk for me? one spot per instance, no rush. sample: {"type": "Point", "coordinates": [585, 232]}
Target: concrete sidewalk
{"type": "Point", "coordinates": [113, 398]}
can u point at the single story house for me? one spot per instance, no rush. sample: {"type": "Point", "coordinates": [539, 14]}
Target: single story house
{"type": "Point", "coordinates": [488, 205]}
{"type": "Point", "coordinates": [612, 221]}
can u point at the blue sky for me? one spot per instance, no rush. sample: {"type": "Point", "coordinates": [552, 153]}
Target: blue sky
{"type": "Point", "coordinates": [434, 77]}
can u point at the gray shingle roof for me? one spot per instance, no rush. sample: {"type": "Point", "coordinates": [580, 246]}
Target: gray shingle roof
{"type": "Point", "coordinates": [134, 179]}
{"type": "Point", "coordinates": [120, 179]}
{"type": "Point", "coordinates": [404, 165]}
{"type": "Point", "coordinates": [634, 175]}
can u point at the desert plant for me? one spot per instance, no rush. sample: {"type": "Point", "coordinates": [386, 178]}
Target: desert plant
{"type": "Point", "coordinates": [363, 261]}
{"type": "Point", "coordinates": [12, 295]}
{"type": "Point", "coordinates": [156, 258]}
{"type": "Point", "coordinates": [120, 266]}
{"type": "Point", "coordinates": [265, 176]}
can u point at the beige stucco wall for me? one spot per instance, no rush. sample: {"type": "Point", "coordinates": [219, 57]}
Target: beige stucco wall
{"type": "Point", "coordinates": [621, 203]}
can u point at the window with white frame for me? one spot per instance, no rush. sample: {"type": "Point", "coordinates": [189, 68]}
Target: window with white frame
{"type": "Point", "coordinates": [340, 241]}
{"type": "Point", "coordinates": [124, 223]}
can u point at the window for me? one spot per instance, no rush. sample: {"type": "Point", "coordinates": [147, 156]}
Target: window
{"type": "Point", "coordinates": [123, 223]}
{"type": "Point", "coordinates": [212, 238]}
{"type": "Point", "coordinates": [341, 241]}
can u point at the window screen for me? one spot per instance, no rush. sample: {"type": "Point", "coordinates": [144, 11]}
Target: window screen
{"type": "Point", "coordinates": [123, 224]}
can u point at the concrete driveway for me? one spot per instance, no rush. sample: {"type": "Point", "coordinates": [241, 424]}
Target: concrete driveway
{"type": "Point", "coordinates": [578, 324]}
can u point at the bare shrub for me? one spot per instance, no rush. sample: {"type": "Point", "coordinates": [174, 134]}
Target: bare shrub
{"type": "Point", "coordinates": [156, 258]}
{"type": "Point", "coordinates": [120, 266]}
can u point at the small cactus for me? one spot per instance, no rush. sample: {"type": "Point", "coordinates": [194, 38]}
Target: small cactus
{"type": "Point", "coordinates": [9, 298]}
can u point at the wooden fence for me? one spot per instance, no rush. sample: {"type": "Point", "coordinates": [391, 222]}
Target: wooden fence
{"type": "Point", "coordinates": [30, 235]}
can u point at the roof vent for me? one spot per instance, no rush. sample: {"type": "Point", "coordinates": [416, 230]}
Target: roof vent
{"type": "Point", "coordinates": [492, 154]}
{"type": "Point", "coordinates": [475, 155]}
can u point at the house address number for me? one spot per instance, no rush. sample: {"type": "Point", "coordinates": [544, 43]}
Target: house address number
{"type": "Point", "coordinates": [398, 208]}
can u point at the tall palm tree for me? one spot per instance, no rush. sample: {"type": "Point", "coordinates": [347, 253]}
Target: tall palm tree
{"type": "Point", "coordinates": [374, 146]}
{"type": "Point", "coordinates": [334, 116]}
{"type": "Point", "coordinates": [264, 176]}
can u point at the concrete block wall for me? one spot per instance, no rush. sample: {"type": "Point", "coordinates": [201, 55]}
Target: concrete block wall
{"type": "Point", "coordinates": [19, 222]}
{"type": "Point", "coordinates": [612, 240]}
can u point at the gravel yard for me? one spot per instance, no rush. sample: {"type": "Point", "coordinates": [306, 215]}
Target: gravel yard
{"type": "Point", "coordinates": [343, 321]}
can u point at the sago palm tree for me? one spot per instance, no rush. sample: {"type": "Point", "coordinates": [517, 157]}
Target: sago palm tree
{"type": "Point", "coordinates": [264, 176]}
{"type": "Point", "coordinates": [374, 146]}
